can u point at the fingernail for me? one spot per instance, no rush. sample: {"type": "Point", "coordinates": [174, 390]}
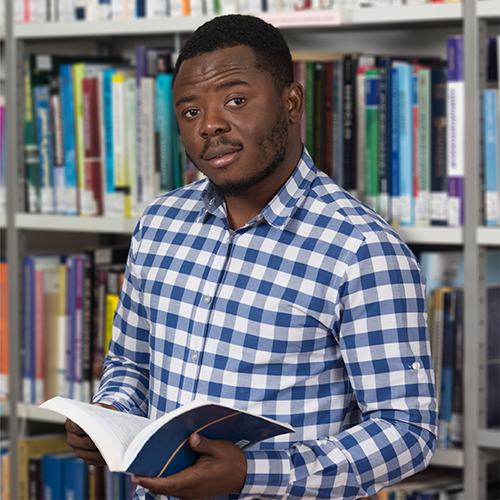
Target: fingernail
{"type": "Point", "coordinates": [196, 440]}
{"type": "Point", "coordinates": [135, 479]}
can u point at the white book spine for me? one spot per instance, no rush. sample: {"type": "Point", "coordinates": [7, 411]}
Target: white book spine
{"type": "Point", "coordinates": [119, 138]}
{"type": "Point", "coordinates": [131, 142]}
{"type": "Point", "coordinates": [148, 157]}
{"type": "Point", "coordinates": [156, 8]}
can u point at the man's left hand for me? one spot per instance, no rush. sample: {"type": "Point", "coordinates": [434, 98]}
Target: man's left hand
{"type": "Point", "coordinates": [221, 470]}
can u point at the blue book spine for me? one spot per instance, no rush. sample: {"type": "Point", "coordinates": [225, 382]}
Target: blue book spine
{"type": "Point", "coordinates": [53, 476]}
{"type": "Point", "coordinates": [68, 123]}
{"type": "Point", "coordinates": [109, 159]}
{"type": "Point", "coordinates": [405, 108]}
{"type": "Point", "coordinates": [76, 479]}
{"type": "Point", "coordinates": [45, 148]}
{"type": "Point", "coordinates": [28, 330]}
{"type": "Point", "coordinates": [394, 171]}
{"type": "Point", "coordinates": [446, 398]}
{"type": "Point", "coordinates": [384, 137]}
{"type": "Point", "coordinates": [164, 130]}
{"type": "Point", "coordinates": [491, 163]}
{"type": "Point", "coordinates": [140, 8]}
{"type": "Point", "coordinates": [455, 130]}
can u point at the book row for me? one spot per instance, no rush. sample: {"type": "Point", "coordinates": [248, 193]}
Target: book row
{"type": "Point", "coordinates": [101, 137]}
{"type": "Point", "coordinates": [445, 305]}
{"type": "Point", "coordinates": [35, 11]}
{"type": "Point", "coordinates": [47, 468]}
{"type": "Point", "coordinates": [68, 308]}
{"type": "Point", "coordinates": [391, 131]}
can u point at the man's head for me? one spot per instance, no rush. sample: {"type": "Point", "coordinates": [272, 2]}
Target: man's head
{"type": "Point", "coordinates": [271, 51]}
{"type": "Point", "coordinates": [238, 112]}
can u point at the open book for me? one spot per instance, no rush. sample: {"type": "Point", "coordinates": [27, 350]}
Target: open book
{"type": "Point", "coordinates": [159, 448]}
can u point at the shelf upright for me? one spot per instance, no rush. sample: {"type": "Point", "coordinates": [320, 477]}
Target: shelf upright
{"type": "Point", "coordinates": [12, 158]}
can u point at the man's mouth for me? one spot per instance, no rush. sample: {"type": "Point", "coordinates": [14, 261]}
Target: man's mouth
{"type": "Point", "coordinates": [220, 157]}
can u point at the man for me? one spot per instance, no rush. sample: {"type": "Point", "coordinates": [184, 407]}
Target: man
{"type": "Point", "coordinates": [268, 288]}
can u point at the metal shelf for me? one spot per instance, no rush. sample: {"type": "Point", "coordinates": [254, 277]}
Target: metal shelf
{"type": "Point", "coordinates": [488, 438]}
{"type": "Point", "coordinates": [431, 235]}
{"type": "Point", "coordinates": [448, 458]}
{"type": "Point", "coordinates": [488, 9]}
{"type": "Point", "coordinates": [488, 236]}
{"type": "Point", "coordinates": [75, 224]}
{"type": "Point", "coordinates": [428, 13]}
{"type": "Point", "coordinates": [32, 412]}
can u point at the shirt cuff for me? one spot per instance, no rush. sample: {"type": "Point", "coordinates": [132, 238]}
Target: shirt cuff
{"type": "Point", "coordinates": [268, 473]}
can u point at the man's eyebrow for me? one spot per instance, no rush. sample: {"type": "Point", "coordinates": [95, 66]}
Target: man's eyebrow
{"type": "Point", "coordinates": [223, 85]}
{"type": "Point", "coordinates": [187, 98]}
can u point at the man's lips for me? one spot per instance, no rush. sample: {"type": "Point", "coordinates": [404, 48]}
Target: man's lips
{"type": "Point", "coordinates": [220, 157]}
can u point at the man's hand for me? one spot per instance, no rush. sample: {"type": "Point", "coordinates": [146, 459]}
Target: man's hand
{"type": "Point", "coordinates": [221, 469]}
{"type": "Point", "coordinates": [82, 445]}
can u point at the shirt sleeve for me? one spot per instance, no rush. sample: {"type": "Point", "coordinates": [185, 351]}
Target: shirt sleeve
{"type": "Point", "coordinates": [125, 381]}
{"type": "Point", "coordinates": [385, 346]}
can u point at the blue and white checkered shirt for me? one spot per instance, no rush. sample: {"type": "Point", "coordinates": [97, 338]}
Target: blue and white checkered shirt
{"type": "Point", "coordinates": [313, 313]}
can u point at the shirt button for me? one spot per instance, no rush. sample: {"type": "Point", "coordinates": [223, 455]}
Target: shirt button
{"type": "Point", "coordinates": [228, 240]}
{"type": "Point", "coordinates": [416, 365]}
{"type": "Point", "coordinates": [212, 201]}
{"type": "Point", "coordinates": [206, 299]}
{"type": "Point", "coordinates": [194, 356]}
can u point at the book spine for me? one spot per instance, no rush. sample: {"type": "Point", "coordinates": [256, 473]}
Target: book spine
{"type": "Point", "coordinates": [101, 280]}
{"type": "Point", "coordinates": [28, 329]}
{"type": "Point", "coordinates": [455, 130]}
{"type": "Point", "coordinates": [414, 133]}
{"type": "Point", "coordinates": [112, 294]}
{"type": "Point", "coordinates": [44, 130]}
{"type": "Point", "coordinates": [405, 85]}
{"type": "Point", "coordinates": [71, 326]}
{"type": "Point", "coordinates": [87, 205]}
{"type": "Point", "coordinates": [384, 157]}
{"type": "Point", "coordinates": [491, 157]}
{"type": "Point", "coordinates": [395, 150]}
{"type": "Point", "coordinates": [40, 335]}
{"type": "Point", "coordinates": [422, 202]}
{"type": "Point", "coordinates": [68, 127]}
{"type": "Point", "coordinates": [88, 331]}
{"type": "Point", "coordinates": [4, 333]}
{"type": "Point", "coordinates": [148, 162]}
{"type": "Point", "coordinates": [456, 428]}
{"type": "Point", "coordinates": [31, 155]}
{"type": "Point", "coordinates": [156, 8]}
{"type": "Point", "coordinates": [338, 132]}
{"type": "Point", "coordinates": [439, 191]}
{"type": "Point", "coordinates": [164, 132]}
{"type": "Point", "coordinates": [131, 144]}
{"type": "Point", "coordinates": [62, 323]}
{"type": "Point", "coordinates": [372, 106]}
{"type": "Point", "coordinates": [78, 334]}
{"type": "Point", "coordinates": [349, 122]}
{"type": "Point", "coordinates": [58, 149]}
{"type": "Point", "coordinates": [122, 184]}
{"type": "Point", "coordinates": [309, 109]}
{"type": "Point", "coordinates": [319, 115]}
{"type": "Point", "coordinates": [328, 119]}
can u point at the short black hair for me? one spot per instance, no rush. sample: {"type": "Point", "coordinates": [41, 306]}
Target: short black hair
{"type": "Point", "coordinates": [271, 50]}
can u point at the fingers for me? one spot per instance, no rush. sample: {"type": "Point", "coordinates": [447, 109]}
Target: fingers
{"type": "Point", "coordinates": [82, 445]}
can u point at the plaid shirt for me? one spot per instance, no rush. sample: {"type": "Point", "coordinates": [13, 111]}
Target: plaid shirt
{"type": "Point", "coordinates": [313, 313]}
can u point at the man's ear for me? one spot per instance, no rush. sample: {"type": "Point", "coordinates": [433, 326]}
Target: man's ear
{"type": "Point", "coordinates": [295, 102]}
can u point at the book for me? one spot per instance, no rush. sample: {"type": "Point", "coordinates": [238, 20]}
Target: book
{"type": "Point", "coordinates": [129, 443]}
{"type": "Point", "coordinates": [75, 479]}
{"type": "Point", "coordinates": [493, 356]}
{"type": "Point", "coordinates": [455, 130]}
{"type": "Point", "coordinates": [4, 332]}
{"type": "Point", "coordinates": [439, 190]}
{"type": "Point", "coordinates": [54, 474]}
{"type": "Point", "coordinates": [491, 157]}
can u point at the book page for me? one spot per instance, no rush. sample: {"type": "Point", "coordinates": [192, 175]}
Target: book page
{"type": "Point", "coordinates": [112, 431]}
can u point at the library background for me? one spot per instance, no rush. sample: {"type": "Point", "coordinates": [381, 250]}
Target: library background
{"type": "Point", "coordinates": [88, 137]}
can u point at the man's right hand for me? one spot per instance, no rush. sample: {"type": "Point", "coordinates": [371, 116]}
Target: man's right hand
{"type": "Point", "coordinates": [82, 445]}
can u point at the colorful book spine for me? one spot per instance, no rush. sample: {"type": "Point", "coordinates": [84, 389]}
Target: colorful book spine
{"type": "Point", "coordinates": [405, 108]}
{"type": "Point", "coordinates": [372, 107]}
{"type": "Point", "coordinates": [71, 324]}
{"type": "Point", "coordinates": [38, 346]}
{"type": "Point", "coordinates": [62, 324]}
{"type": "Point", "coordinates": [164, 130]}
{"type": "Point", "coordinates": [44, 131]}
{"type": "Point", "coordinates": [28, 329]}
{"type": "Point", "coordinates": [77, 344]}
{"type": "Point", "coordinates": [131, 142]}
{"type": "Point", "coordinates": [439, 190]}
{"type": "Point", "coordinates": [93, 171]}
{"type": "Point", "coordinates": [455, 130]}
{"type": "Point", "coordinates": [31, 156]}
{"type": "Point", "coordinates": [149, 175]}
{"type": "Point", "coordinates": [395, 153]}
{"type": "Point", "coordinates": [69, 144]}
{"type": "Point", "coordinates": [360, 131]}
{"type": "Point", "coordinates": [491, 157]}
{"type": "Point", "coordinates": [423, 156]}
{"type": "Point", "coordinates": [4, 332]}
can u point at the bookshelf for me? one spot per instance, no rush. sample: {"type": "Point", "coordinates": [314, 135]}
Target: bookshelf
{"type": "Point", "coordinates": [341, 27]}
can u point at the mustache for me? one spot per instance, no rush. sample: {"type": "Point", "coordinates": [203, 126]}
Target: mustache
{"type": "Point", "coordinates": [220, 141]}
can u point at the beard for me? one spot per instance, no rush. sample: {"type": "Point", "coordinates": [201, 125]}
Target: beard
{"type": "Point", "coordinates": [275, 142]}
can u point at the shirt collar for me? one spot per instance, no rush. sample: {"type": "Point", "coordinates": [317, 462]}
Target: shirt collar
{"type": "Point", "coordinates": [280, 209]}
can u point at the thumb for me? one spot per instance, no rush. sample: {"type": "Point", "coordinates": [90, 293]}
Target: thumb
{"type": "Point", "coordinates": [199, 443]}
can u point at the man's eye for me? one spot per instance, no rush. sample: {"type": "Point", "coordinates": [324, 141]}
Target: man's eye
{"type": "Point", "coordinates": [237, 101]}
{"type": "Point", "coordinates": [191, 113]}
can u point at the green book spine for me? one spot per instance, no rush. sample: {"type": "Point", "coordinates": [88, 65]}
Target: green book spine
{"type": "Point", "coordinates": [31, 158]}
{"type": "Point", "coordinates": [78, 76]}
{"type": "Point", "coordinates": [372, 107]}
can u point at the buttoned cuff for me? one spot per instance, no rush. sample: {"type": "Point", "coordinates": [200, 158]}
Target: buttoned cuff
{"type": "Point", "coordinates": [268, 473]}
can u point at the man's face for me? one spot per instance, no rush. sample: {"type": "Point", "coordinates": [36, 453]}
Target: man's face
{"type": "Point", "coordinates": [233, 122]}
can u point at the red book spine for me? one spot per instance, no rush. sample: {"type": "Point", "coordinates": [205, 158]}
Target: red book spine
{"type": "Point", "coordinates": [93, 157]}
